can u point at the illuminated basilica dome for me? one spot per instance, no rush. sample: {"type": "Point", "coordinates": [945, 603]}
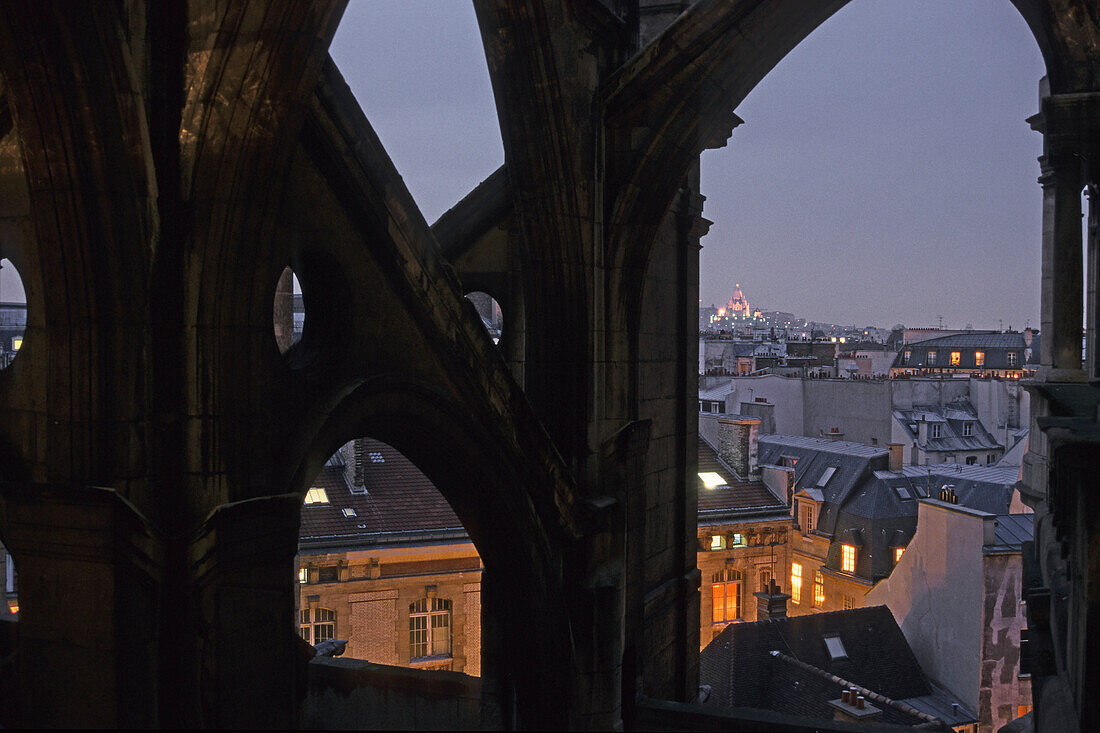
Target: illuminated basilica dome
{"type": "Point", "coordinates": [738, 305]}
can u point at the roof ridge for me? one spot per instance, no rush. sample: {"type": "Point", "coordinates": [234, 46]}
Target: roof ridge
{"type": "Point", "coordinates": [867, 693]}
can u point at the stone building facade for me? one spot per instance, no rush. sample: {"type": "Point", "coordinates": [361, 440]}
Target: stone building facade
{"type": "Point", "coordinates": [386, 565]}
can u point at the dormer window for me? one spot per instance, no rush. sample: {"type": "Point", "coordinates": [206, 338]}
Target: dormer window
{"type": "Point", "coordinates": [848, 558]}
{"type": "Point", "coordinates": [979, 358]}
{"type": "Point", "coordinates": [906, 356]}
{"type": "Point", "coordinates": [931, 358]}
{"type": "Point", "coordinates": [968, 429]}
{"type": "Point", "coordinates": [956, 358]}
{"type": "Point", "coordinates": [1011, 358]}
{"type": "Point", "coordinates": [807, 509]}
{"type": "Point", "coordinates": [935, 431]}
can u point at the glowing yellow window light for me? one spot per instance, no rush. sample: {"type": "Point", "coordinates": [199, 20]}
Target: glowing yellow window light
{"type": "Point", "coordinates": [898, 553]}
{"type": "Point", "coordinates": [316, 496]}
{"type": "Point", "coordinates": [848, 558]}
{"type": "Point", "coordinates": [796, 582]}
{"type": "Point", "coordinates": [711, 479]}
{"type": "Point", "coordinates": [16, 343]}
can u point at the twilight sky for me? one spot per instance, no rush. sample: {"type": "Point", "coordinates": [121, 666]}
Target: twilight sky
{"type": "Point", "coordinates": [884, 172]}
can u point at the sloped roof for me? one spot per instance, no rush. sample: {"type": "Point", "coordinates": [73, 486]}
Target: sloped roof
{"type": "Point", "coordinates": [985, 488]}
{"type": "Point", "coordinates": [993, 344]}
{"type": "Point", "coordinates": [400, 504]}
{"type": "Point", "coordinates": [742, 672]}
{"type": "Point", "coordinates": [952, 419]}
{"type": "Point", "coordinates": [1011, 531]}
{"type": "Point", "coordinates": [716, 393]}
{"type": "Point", "coordinates": [735, 499]}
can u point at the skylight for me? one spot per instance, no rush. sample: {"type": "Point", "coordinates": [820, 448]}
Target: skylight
{"type": "Point", "coordinates": [349, 512]}
{"type": "Point", "coordinates": [316, 496]}
{"type": "Point", "coordinates": [835, 648]}
{"type": "Point", "coordinates": [903, 492]}
{"type": "Point", "coordinates": [712, 480]}
{"type": "Point", "coordinates": [828, 474]}
{"type": "Point", "coordinates": [376, 457]}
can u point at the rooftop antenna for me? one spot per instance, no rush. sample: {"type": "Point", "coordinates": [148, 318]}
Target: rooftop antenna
{"type": "Point", "coordinates": [1000, 324]}
{"type": "Point", "coordinates": [941, 321]}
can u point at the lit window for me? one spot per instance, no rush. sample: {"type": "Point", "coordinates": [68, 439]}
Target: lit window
{"type": "Point", "coordinates": [979, 358]}
{"type": "Point", "coordinates": [717, 542]}
{"type": "Point", "coordinates": [322, 627]}
{"type": "Point", "coordinates": [738, 540]}
{"type": "Point", "coordinates": [898, 552]}
{"type": "Point", "coordinates": [1010, 357]}
{"type": "Point", "coordinates": [956, 358]}
{"type": "Point", "coordinates": [349, 512]}
{"type": "Point", "coordinates": [905, 356]}
{"type": "Point", "coordinates": [835, 647]}
{"type": "Point", "coordinates": [725, 596]}
{"type": "Point", "coordinates": [825, 476]}
{"type": "Point", "coordinates": [968, 429]}
{"type": "Point", "coordinates": [848, 558]}
{"type": "Point", "coordinates": [16, 343]}
{"type": "Point", "coordinates": [936, 431]}
{"type": "Point", "coordinates": [807, 515]}
{"type": "Point", "coordinates": [430, 628]}
{"type": "Point", "coordinates": [931, 358]}
{"type": "Point", "coordinates": [711, 479]}
{"type": "Point", "coordinates": [316, 496]}
{"type": "Point", "coordinates": [303, 575]}
{"type": "Point", "coordinates": [819, 589]}
{"type": "Point", "coordinates": [796, 582]}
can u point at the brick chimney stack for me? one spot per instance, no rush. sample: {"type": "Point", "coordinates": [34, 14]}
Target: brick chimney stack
{"type": "Point", "coordinates": [771, 603]}
{"type": "Point", "coordinates": [355, 460]}
{"type": "Point", "coordinates": [896, 455]}
{"type": "Point", "coordinates": [738, 437]}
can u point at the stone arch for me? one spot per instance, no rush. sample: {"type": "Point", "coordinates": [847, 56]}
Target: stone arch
{"type": "Point", "coordinates": [520, 549]}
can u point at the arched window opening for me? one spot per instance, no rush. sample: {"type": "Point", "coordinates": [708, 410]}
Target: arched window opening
{"type": "Point", "coordinates": [13, 312]}
{"type": "Point", "coordinates": [288, 311]}
{"type": "Point", "coordinates": [385, 564]}
{"type": "Point", "coordinates": [492, 317]}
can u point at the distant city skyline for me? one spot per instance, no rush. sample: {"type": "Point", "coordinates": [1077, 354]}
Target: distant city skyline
{"type": "Point", "coordinates": [884, 172]}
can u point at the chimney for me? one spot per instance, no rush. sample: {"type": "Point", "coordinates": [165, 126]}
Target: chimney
{"type": "Point", "coordinates": [1029, 335]}
{"type": "Point", "coordinates": [896, 453]}
{"type": "Point", "coordinates": [737, 444]}
{"type": "Point", "coordinates": [922, 430]}
{"type": "Point", "coordinates": [771, 603]}
{"type": "Point", "coordinates": [832, 434]}
{"type": "Point", "coordinates": [355, 460]}
{"type": "Point", "coordinates": [853, 707]}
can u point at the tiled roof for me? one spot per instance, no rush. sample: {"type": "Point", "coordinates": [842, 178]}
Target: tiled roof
{"type": "Point", "coordinates": [399, 504]}
{"type": "Point", "coordinates": [1011, 531]}
{"type": "Point", "coordinates": [716, 393]}
{"type": "Point", "coordinates": [993, 344]}
{"type": "Point", "coordinates": [952, 420]}
{"type": "Point", "coordinates": [736, 497]}
{"type": "Point", "coordinates": [742, 672]}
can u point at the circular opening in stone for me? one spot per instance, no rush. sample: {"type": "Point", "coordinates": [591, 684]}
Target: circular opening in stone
{"type": "Point", "coordinates": [288, 313]}
{"type": "Point", "coordinates": [492, 317]}
{"type": "Point", "coordinates": [13, 312]}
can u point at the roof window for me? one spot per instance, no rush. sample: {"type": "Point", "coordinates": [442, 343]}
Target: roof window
{"type": "Point", "coordinates": [712, 480]}
{"type": "Point", "coordinates": [903, 493]}
{"type": "Point", "coordinates": [835, 647]}
{"type": "Point", "coordinates": [828, 474]}
{"type": "Point", "coordinates": [349, 512]}
{"type": "Point", "coordinates": [376, 457]}
{"type": "Point", "coordinates": [316, 496]}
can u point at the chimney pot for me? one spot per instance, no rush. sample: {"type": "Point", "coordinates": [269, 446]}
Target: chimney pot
{"type": "Point", "coordinates": [845, 697]}
{"type": "Point", "coordinates": [860, 702]}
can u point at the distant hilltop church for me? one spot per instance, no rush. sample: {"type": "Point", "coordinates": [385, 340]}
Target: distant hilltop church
{"type": "Point", "coordinates": [738, 305]}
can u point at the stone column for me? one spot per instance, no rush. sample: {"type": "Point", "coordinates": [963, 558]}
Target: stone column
{"type": "Point", "coordinates": [1070, 124]}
